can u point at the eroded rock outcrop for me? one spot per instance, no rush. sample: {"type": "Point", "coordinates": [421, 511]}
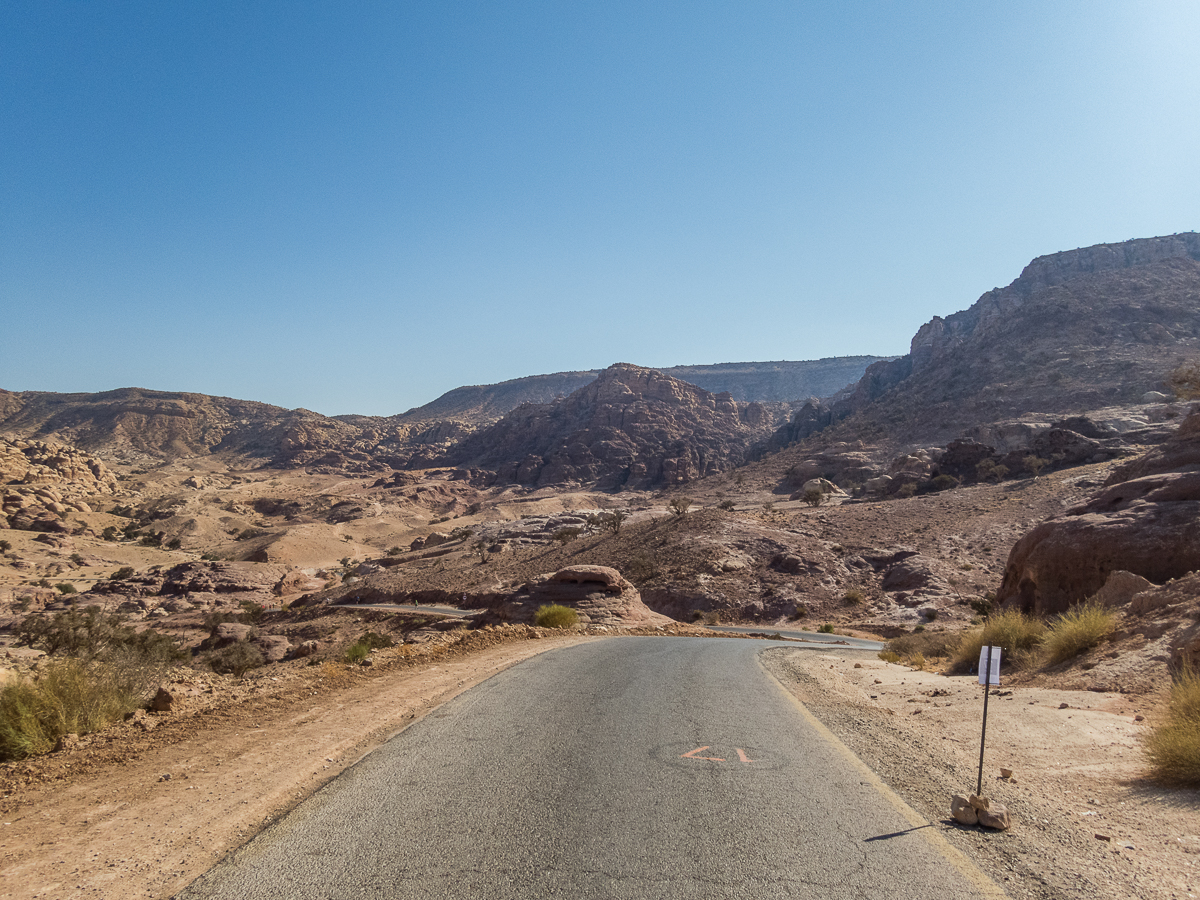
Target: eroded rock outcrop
{"type": "Point", "coordinates": [1148, 525]}
{"type": "Point", "coordinates": [599, 594]}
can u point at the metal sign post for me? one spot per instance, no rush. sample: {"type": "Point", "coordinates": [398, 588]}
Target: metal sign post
{"type": "Point", "coordinates": [989, 674]}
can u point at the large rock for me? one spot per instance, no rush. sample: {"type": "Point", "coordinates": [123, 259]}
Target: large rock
{"type": "Point", "coordinates": [599, 594]}
{"type": "Point", "coordinates": [1148, 526]}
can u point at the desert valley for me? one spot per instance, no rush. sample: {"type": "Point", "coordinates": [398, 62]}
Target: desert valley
{"type": "Point", "coordinates": [1035, 453]}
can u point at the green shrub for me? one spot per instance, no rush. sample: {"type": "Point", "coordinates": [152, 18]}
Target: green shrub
{"type": "Point", "coordinates": [122, 573]}
{"type": "Point", "coordinates": [826, 629]}
{"type": "Point", "coordinates": [1173, 748]}
{"type": "Point", "coordinates": [814, 497]}
{"type": "Point", "coordinates": [890, 656]}
{"type": "Point", "coordinates": [69, 696]}
{"type": "Point", "coordinates": [356, 653]}
{"type": "Point", "coordinates": [394, 551]}
{"type": "Point", "coordinates": [65, 587]}
{"type": "Point", "coordinates": [5, 546]}
{"type": "Point", "coordinates": [1015, 633]}
{"type": "Point", "coordinates": [852, 597]}
{"type": "Point", "coordinates": [725, 505]}
{"type": "Point", "coordinates": [566, 535]}
{"type": "Point", "coordinates": [1078, 629]}
{"type": "Point", "coordinates": [252, 612]}
{"type": "Point", "coordinates": [800, 612]}
{"type": "Point", "coordinates": [237, 659]}
{"type": "Point", "coordinates": [609, 521]}
{"type": "Point", "coordinates": [906, 490]}
{"type": "Point", "coordinates": [943, 483]}
{"type": "Point", "coordinates": [553, 615]}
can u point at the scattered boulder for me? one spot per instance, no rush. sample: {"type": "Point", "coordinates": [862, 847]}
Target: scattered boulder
{"type": "Point", "coordinates": [913, 573]}
{"type": "Point", "coordinates": [962, 811]}
{"type": "Point", "coordinates": [306, 648]}
{"type": "Point", "coordinates": [232, 632]}
{"type": "Point", "coordinates": [1121, 587]}
{"type": "Point", "coordinates": [298, 581]}
{"type": "Point", "coordinates": [274, 647]}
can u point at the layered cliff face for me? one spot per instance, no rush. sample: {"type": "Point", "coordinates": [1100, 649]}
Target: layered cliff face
{"type": "Point", "coordinates": [630, 428]}
{"type": "Point", "coordinates": [1077, 331]}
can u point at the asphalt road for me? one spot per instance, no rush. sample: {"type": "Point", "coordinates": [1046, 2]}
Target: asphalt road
{"type": "Point", "coordinates": [834, 641]}
{"type": "Point", "coordinates": [624, 768]}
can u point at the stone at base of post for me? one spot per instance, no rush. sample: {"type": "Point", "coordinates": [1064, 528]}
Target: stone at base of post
{"type": "Point", "coordinates": [975, 810]}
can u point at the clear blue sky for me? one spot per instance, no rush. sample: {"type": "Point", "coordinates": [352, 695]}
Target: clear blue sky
{"type": "Point", "coordinates": [353, 207]}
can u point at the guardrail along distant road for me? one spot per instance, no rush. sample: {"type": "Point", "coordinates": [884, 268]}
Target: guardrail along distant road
{"type": "Point", "coordinates": [625, 768]}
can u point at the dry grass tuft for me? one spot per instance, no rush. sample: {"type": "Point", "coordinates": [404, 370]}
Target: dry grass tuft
{"type": "Point", "coordinates": [1173, 748]}
{"type": "Point", "coordinates": [920, 648]}
{"type": "Point", "coordinates": [1078, 629]}
{"type": "Point", "coordinates": [69, 696]}
{"type": "Point", "coordinates": [554, 615]}
{"type": "Point", "coordinates": [1011, 630]}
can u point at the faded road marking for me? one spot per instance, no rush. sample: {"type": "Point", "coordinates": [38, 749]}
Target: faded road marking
{"type": "Point", "coordinates": [692, 754]}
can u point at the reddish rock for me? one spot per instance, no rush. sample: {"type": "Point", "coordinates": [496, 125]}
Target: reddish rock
{"type": "Point", "coordinates": [1147, 525]}
{"type": "Point", "coordinates": [599, 594]}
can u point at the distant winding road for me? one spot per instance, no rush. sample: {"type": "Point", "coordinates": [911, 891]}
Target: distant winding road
{"type": "Point", "coordinates": [625, 768]}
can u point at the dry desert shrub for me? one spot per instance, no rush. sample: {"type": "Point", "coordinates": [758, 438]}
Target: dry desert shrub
{"type": "Point", "coordinates": [1013, 631]}
{"type": "Point", "coordinates": [236, 659]}
{"type": "Point", "coordinates": [554, 615]}
{"type": "Point", "coordinates": [919, 648]}
{"type": "Point", "coordinates": [69, 696]}
{"type": "Point", "coordinates": [1173, 748]}
{"type": "Point", "coordinates": [1078, 629]}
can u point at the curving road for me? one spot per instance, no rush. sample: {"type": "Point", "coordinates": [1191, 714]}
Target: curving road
{"type": "Point", "coordinates": [624, 768]}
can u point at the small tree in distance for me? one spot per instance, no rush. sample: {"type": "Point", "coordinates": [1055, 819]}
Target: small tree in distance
{"type": "Point", "coordinates": [680, 505]}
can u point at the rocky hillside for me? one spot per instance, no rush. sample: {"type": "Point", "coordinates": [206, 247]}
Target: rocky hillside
{"type": "Point", "coordinates": [763, 381]}
{"type": "Point", "coordinates": [1077, 331]}
{"type": "Point", "coordinates": [134, 425]}
{"type": "Point", "coordinates": [630, 428]}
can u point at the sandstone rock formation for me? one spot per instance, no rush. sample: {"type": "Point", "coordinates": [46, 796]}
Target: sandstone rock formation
{"type": "Point", "coordinates": [44, 482]}
{"type": "Point", "coordinates": [1148, 525]}
{"type": "Point", "coordinates": [599, 594]}
{"type": "Point", "coordinates": [630, 428]}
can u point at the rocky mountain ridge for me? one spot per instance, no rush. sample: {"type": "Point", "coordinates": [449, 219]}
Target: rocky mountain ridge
{"type": "Point", "coordinates": [631, 428]}
{"type": "Point", "coordinates": [140, 425]}
{"type": "Point", "coordinates": [778, 381]}
{"type": "Point", "coordinates": [1076, 331]}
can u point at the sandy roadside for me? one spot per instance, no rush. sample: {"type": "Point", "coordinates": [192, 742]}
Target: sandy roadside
{"type": "Point", "coordinates": [1077, 774]}
{"type": "Point", "coordinates": [148, 827]}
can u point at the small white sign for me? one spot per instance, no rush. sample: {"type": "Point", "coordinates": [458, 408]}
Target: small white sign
{"type": "Point", "coordinates": [989, 677]}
